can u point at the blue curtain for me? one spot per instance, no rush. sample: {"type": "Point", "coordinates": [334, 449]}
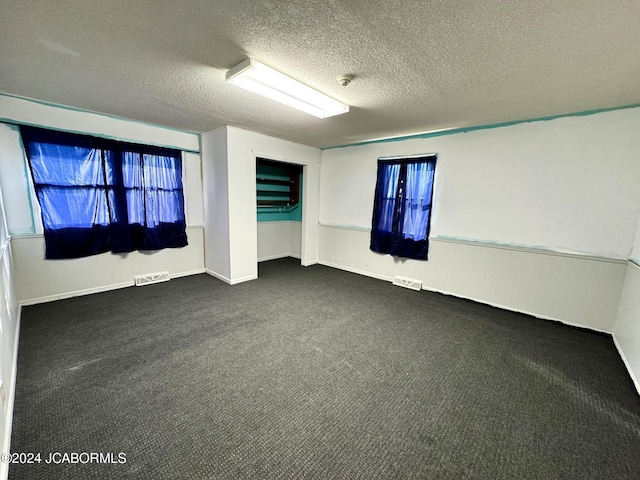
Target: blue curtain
{"type": "Point", "coordinates": [99, 195]}
{"type": "Point", "coordinates": [402, 207]}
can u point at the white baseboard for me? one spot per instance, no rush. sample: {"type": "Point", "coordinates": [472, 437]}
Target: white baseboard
{"type": "Point", "coordinates": [273, 257]}
{"type": "Point", "coordinates": [187, 274]}
{"type": "Point", "coordinates": [228, 281]}
{"type": "Point", "coordinates": [11, 396]}
{"type": "Point", "coordinates": [515, 310]}
{"type": "Point", "coordinates": [635, 380]}
{"type": "Point", "coordinates": [218, 276]}
{"type": "Point", "coordinates": [77, 293]}
{"type": "Point", "coordinates": [355, 270]}
{"type": "Point", "coordinates": [102, 288]}
{"type": "Point", "coordinates": [243, 279]}
{"type": "Point", "coordinates": [502, 307]}
{"type": "Point", "coordinates": [280, 255]}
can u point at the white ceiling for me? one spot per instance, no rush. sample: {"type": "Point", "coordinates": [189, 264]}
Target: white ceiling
{"type": "Point", "coordinates": [419, 65]}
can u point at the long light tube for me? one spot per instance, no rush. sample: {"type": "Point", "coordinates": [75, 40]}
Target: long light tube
{"type": "Point", "coordinates": [258, 78]}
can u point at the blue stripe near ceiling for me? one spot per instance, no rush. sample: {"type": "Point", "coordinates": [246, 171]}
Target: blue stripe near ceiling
{"type": "Point", "coordinates": [454, 131]}
{"type": "Point", "coordinates": [113, 117]}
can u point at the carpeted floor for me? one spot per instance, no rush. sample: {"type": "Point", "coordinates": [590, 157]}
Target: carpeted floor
{"type": "Point", "coordinates": [316, 373]}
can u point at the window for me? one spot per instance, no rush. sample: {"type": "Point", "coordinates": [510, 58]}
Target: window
{"type": "Point", "coordinates": [402, 207]}
{"type": "Point", "coordinates": [99, 195]}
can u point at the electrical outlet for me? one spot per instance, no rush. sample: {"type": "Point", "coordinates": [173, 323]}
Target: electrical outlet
{"type": "Point", "coordinates": [366, 262]}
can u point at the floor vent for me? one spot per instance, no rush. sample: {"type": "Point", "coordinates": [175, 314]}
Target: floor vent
{"type": "Point", "coordinates": [407, 283]}
{"type": "Point", "coordinates": [149, 278]}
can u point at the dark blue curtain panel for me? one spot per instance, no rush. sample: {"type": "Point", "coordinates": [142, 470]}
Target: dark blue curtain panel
{"type": "Point", "coordinates": [402, 207]}
{"type": "Point", "coordinates": [99, 195]}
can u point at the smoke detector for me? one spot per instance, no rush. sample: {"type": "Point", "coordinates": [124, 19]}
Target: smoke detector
{"type": "Point", "coordinates": [344, 80]}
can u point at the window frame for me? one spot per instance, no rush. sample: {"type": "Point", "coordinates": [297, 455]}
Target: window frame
{"type": "Point", "coordinates": [388, 234]}
{"type": "Point", "coordinates": [109, 159]}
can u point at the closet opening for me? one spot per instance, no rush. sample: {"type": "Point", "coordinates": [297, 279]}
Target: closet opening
{"type": "Point", "coordinates": [279, 209]}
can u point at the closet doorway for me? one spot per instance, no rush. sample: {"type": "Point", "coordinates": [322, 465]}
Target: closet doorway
{"type": "Point", "coordinates": [279, 209]}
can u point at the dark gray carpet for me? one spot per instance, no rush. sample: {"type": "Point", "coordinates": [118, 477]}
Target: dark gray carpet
{"type": "Point", "coordinates": [317, 373]}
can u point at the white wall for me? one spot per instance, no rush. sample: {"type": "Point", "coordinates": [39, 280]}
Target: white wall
{"type": "Point", "coordinates": [626, 331]}
{"type": "Point", "coordinates": [295, 239]}
{"type": "Point", "coordinates": [537, 217]}
{"type": "Point", "coordinates": [567, 184]}
{"type": "Point", "coordinates": [9, 326]}
{"type": "Point", "coordinates": [193, 189]}
{"type": "Point", "coordinates": [635, 251]}
{"type": "Point", "coordinates": [14, 180]}
{"type": "Point", "coordinates": [244, 147]}
{"type": "Point", "coordinates": [40, 280]}
{"type": "Point", "coordinates": [216, 203]}
{"type": "Point", "coordinates": [22, 244]}
{"type": "Point", "coordinates": [577, 290]}
{"type": "Point", "coordinates": [279, 239]}
{"type": "Point", "coordinates": [236, 226]}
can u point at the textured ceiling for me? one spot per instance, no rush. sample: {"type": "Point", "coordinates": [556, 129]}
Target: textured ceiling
{"type": "Point", "coordinates": [419, 65]}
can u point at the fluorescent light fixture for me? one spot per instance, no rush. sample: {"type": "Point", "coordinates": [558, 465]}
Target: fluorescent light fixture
{"type": "Point", "coordinates": [258, 78]}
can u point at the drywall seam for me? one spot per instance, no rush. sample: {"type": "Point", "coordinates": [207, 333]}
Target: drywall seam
{"type": "Point", "coordinates": [11, 395]}
{"type": "Point", "coordinates": [502, 246]}
{"type": "Point", "coordinates": [24, 236]}
{"type": "Point", "coordinates": [356, 228]}
{"type": "Point", "coordinates": [636, 381]}
{"type": "Point", "coordinates": [530, 249]}
{"type": "Point", "coordinates": [453, 131]}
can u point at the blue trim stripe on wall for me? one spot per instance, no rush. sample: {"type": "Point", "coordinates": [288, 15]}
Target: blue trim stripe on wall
{"type": "Point", "coordinates": [454, 131]}
{"type": "Point", "coordinates": [106, 115]}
